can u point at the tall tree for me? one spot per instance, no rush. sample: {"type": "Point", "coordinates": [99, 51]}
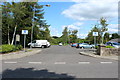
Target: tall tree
{"type": "Point", "coordinates": [103, 28]}
{"type": "Point", "coordinates": [65, 35]}
{"type": "Point", "coordinates": [73, 36]}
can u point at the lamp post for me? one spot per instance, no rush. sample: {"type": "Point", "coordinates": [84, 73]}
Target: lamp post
{"type": "Point", "coordinates": [33, 22]}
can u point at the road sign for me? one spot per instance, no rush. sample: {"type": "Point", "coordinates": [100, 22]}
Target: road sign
{"type": "Point", "coordinates": [95, 33]}
{"type": "Point", "coordinates": [24, 31]}
{"type": "Point", "coordinates": [17, 37]}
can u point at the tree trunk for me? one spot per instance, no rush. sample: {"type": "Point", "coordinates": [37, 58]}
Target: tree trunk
{"type": "Point", "coordinates": [14, 35]}
{"type": "Point", "coordinates": [8, 36]}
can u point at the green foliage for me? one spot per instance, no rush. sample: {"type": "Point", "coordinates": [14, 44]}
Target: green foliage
{"type": "Point", "coordinates": [109, 47]}
{"type": "Point", "coordinates": [64, 37]}
{"type": "Point", "coordinates": [22, 15]}
{"type": "Point", "coordinates": [9, 48]}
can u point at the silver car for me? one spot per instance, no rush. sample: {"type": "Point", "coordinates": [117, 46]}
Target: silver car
{"type": "Point", "coordinates": [85, 45]}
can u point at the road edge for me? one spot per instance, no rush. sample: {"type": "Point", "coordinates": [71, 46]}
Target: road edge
{"type": "Point", "coordinates": [97, 56]}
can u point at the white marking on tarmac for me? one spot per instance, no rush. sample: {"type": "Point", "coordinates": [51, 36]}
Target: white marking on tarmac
{"type": "Point", "coordinates": [83, 62]}
{"type": "Point", "coordinates": [10, 62]}
{"type": "Point", "coordinates": [35, 62]}
{"type": "Point", "coordinates": [60, 63]}
{"type": "Point", "coordinates": [105, 62]}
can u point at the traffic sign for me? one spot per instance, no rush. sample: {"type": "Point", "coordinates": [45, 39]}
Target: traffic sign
{"type": "Point", "coordinates": [95, 33]}
{"type": "Point", "coordinates": [24, 31]}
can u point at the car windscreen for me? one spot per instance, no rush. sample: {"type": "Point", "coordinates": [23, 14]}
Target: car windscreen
{"type": "Point", "coordinates": [116, 43]}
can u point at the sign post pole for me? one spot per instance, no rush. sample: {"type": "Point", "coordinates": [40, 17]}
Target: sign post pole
{"type": "Point", "coordinates": [95, 34]}
{"type": "Point", "coordinates": [25, 32]}
{"type": "Point", "coordinates": [24, 41]}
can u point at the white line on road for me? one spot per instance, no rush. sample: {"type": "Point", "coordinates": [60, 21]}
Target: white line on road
{"type": "Point", "coordinates": [11, 62]}
{"type": "Point", "coordinates": [60, 63]}
{"type": "Point", "coordinates": [35, 62]}
{"type": "Point", "coordinates": [83, 62]}
{"type": "Point", "coordinates": [105, 62]}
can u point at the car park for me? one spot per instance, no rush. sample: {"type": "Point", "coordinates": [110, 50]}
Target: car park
{"type": "Point", "coordinates": [114, 44]}
{"type": "Point", "coordinates": [85, 45]}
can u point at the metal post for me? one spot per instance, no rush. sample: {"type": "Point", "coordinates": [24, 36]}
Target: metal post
{"type": "Point", "coordinates": [32, 27]}
{"type": "Point", "coordinates": [24, 41]}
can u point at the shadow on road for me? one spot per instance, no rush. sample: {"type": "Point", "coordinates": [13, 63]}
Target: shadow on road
{"type": "Point", "coordinates": [31, 73]}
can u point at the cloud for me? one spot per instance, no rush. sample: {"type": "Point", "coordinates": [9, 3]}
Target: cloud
{"type": "Point", "coordinates": [82, 35]}
{"type": "Point", "coordinates": [73, 26]}
{"type": "Point", "coordinates": [92, 10]}
{"type": "Point", "coordinates": [55, 32]}
{"type": "Point", "coordinates": [113, 28]}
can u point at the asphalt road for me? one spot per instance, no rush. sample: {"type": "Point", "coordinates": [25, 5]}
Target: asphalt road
{"type": "Point", "coordinates": [59, 62]}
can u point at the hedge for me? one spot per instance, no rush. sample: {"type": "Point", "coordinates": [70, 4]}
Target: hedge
{"type": "Point", "coordinates": [9, 48]}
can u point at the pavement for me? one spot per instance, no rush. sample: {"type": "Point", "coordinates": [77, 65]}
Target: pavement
{"type": "Point", "coordinates": [60, 62]}
{"type": "Point", "coordinates": [93, 54]}
{"type": "Point", "coordinates": [19, 54]}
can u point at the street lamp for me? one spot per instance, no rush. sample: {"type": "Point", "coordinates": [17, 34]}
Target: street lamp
{"type": "Point", "coordinates": [33, 22]}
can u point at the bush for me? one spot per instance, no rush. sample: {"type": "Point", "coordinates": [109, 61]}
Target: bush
{"type": "Point", "coordinates": [9, 48]}
{"type": "Point", "coordinates": [109, 47]}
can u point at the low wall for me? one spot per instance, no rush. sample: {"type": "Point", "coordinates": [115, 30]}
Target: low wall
{"type": "Point", "coordinates": [102, 51]}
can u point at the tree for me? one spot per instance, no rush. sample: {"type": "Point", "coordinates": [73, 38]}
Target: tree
{"type": "Point", "coordinates": [73, 36]}
{"type": "Point", "coordinates": [19, 16]}
{"type": "Point", "coordinates": [115, 35]}
{"type": "Point", "coordinates": [90, 36]}
{"type": "Point", "coordinates": [106, 37]}
{"type": "Point", "coordinates": [65, 35]}
{"type": "Point", "coordinates": [103, 23]}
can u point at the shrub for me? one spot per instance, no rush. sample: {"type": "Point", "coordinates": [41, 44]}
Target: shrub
{"type": "Point", "coordinates": [9, 48]}
{"type": "Point", "coordinates": [109, 47]}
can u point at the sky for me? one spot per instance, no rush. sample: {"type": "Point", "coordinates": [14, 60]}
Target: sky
{"type": "Point", "coordinates": [80, 14]}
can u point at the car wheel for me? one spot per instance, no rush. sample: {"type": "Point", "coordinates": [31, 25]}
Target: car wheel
{"type": "Point", "coordinates": [42, 46]}
{"type": "Point", "coordinates": [82, 47]}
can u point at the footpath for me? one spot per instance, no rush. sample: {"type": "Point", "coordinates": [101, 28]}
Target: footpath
{"type": "Point", "coordinates": [93, 54]}
{"type": "Point", "coordinates": [20, 54]}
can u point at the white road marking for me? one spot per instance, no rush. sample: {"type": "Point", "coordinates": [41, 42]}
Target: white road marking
{"type": "Point", "coordinates": [83, 62]}
{"type": "Point", "coordinates": [35, 62]}
{"type": "Point", "coordinates": [11, 62]}
{"type": "Point", "coordinates": [105, 62]}
{"type": "Point", "coordinates": [60, 62]}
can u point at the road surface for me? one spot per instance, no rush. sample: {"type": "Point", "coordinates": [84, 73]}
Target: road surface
{"type": "Point", "coordinates": [59, 62]}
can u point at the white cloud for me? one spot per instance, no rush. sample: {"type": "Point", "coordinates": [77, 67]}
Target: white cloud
{"type": "Point", "coordinates": [82, 35]}
{"type": "Point", "coordinates": [92, 10]}
{"type": "Point", "coordinates": [113, 28]}
{"type": "Point", "coordinates": [73, 26]}
{"type": "Point", "coordinates": [55, 32]}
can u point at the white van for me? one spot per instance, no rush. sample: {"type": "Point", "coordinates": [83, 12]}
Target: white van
{"type": "Point", "coordinates": [39, 43]}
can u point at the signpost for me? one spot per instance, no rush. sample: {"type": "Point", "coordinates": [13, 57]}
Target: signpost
{"type": "Point", "coordinates": [95, 34]}
{"type": "Point", "coordinates": [25, 32]}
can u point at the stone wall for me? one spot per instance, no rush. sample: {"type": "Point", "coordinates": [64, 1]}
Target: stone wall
{"type": "Point", "coordinates": [102, 51]}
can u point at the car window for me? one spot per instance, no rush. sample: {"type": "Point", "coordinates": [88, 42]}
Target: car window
{"type": "Point", "coordinates": [33, 41]}
{"type": "Point", "coordinates": [116, 43]}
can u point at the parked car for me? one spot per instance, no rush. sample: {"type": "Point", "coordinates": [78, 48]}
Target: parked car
{"type": "Point", "coordinates": [73, 44]}
{"type": "Point", "coordinates": [77, 46]}
{"type": "Point", "coordinates": [60, 44]}
{"type": "Point", "coordinates": [114, 44]}
{"type": "Point", "coordinates": [39, 43]}
{"type": "Point", "coordinates": [85, 45]}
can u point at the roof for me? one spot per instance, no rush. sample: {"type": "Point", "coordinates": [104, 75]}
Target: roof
{"type": "Point", "coordinates": [115, 40]}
